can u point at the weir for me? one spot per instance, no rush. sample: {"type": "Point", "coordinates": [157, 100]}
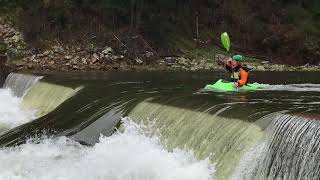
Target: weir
{"type": "Point", "coordinates": [277, 146]}
{"type": "Point", "coordinates": [254, 135]}
{"type": "Point", "coordinates": [44, 97]}
{"type": "Point", "coordinates": [29, 99]}
{"type": "Point", "coordinates": [224, 140]}
{"type": "Point", "coordinates": [20, 83]}
{"type": "Point", "coordinates": [291, 150]}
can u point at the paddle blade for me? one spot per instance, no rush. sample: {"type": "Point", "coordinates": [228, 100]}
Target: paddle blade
{"type": "Point", "coordinates": [225, 40]}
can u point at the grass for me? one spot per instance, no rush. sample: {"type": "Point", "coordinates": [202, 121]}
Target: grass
{"type": "Point", "coordinates": [190, 50]}
{"type": "Point", "coordinates": [3, 47]}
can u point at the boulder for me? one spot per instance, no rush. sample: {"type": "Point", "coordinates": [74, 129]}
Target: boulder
{"type": "Point", "coordinates": [107, 50]}
{"type": "Point", "coordinates": [138, 61]}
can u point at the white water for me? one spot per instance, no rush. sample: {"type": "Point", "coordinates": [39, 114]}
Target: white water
{"type": "Point", "coordinates": [293, 87]}
{"type": "Point", "coordinates": [11, 115]}
{"type": "Point", "coordinates": [20, 83]}
{"type": "Point", "coordinates": [131, 155]}
{"type": "Point", "coordinates": [248, 164]}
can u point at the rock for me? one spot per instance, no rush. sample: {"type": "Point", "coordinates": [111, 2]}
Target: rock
{"type": "Point", "coordinates": [84, 61]}
{"type": "Point", "coordinates": [16, 38]}
{"type": "Point", "coordinates": [261, 68]}
{"type": "Point", "coordinates": [208, 66]}
{"type": "Point", "coordinates": [93, 60]}
{"type": "Point", "coordinates": [265, 62]}
{"type": "Point", "coordinates": [68, 57]}
{"type": "Point", "coordinates": [29, 66]}
{"type": "Point", "coordinates": [73, 62]}
{"type": "Point", "coordinates": [161, 62]}
{"type": "Point", "coordinates": [184, 62]}
{"type": "Point", "coordinates": [51, 56]}
{"type": "Point", "coordinates": [47, 52]}
{"type": "Point", "coordinates": [116, 57]}
{"type": "Point", "coordinates": [123, 65]}
{"type": "Point", "coordinates": [40, 55]}
{"type": "Point", "coordinates": [220, 57]}
{"type": "Point", "coordinates": [33, 57]}
{"type": "Point", "coordinates": [249, 66]}
{"type": "Point", "coordinates": [57, 49]}
{"type": "Point", "coordinates": [281, 67]}
{"type": "Point", "coordinates": [276, 67]}
{"type": "Point", "coordinates": [170, 60]}
{"type": "Point", "coordinates": [101, 55]}
{"type": "Point", "coordinates": [75, 67]}
{"type": "Point", "coordinates": [176, 66]}
{"type": "Point", "coordinates": [96, 56]}
{"type": "Point", "coordinates": [138, 61]}
{"type": "Point", "coordinates": [107, 50]}
{"type": "Point", "coordinates": [76, 58]}
{"type": "Point", "coordinates": [149, 54]}
{"type": "Point", "coordinates": [115, 67]}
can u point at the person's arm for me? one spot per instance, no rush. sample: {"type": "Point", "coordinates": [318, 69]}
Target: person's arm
{"type": "Point", "coordinates": [228, 65]}
{"type": "Point", "coordinates": [224, 62]}
{"type": "Point", "coordinates": [244, 77]}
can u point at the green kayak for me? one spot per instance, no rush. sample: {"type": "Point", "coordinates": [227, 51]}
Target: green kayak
{"type": "Point", "coordinates": [222, 85]}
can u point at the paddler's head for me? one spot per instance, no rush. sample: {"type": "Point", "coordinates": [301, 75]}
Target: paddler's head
{"type": "Point", "coordinates": [236, 59]}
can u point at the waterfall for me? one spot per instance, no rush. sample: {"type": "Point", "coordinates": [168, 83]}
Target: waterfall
{"type": "Point", "coordinates": [20, 83]}
{"type": "Point", "coordinates": [44, 97]}
{"type": "Point", "coordinates": [292, 149]}
{"type": "Point", "coordinates": [206, 133]}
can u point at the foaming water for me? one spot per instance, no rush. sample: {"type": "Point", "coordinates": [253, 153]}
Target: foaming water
{"type": "Point", "coordinates": [247, 167]}
{"type": "Point", "coordinates": [292, 150]}
{"type": "Point", "coordinates": [293, 87]}
{"type": "Point", "coordinates": [127, 155]}
{"type": "Point", "coordinates": [20, 83]}
{"type": "Point", "coordinates": [11, 115]}
{"type": "Point", "coordinates": [224, 140]}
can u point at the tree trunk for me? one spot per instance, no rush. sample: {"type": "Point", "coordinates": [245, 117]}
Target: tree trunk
{"type": "Point", "coordinates": [197, 25]}
{"type": "Point", "coordinates": [133, 5]}
{"type": "Point", "coordinates": [139, 10]}
{"type": "Point", "coordinates": [4, 70]}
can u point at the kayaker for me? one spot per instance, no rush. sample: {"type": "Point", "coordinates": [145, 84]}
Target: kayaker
{"type": "Point", "coordinates": [239, 73]}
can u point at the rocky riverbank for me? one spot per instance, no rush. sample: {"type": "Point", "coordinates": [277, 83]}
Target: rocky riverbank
{"type": "Point", "coordinates": [62, 57]}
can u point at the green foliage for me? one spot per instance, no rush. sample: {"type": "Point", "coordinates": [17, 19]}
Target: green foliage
{"type": "Point", "coordinates": [169, 23]}
{"type": "Point", "coordinates": [3, 47]}
{"type": "Point", "coordinates": [305, 16]}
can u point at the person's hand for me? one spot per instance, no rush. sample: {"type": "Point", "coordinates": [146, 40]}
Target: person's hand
{"type": "Point", "coordinates": [235, 85]}
{"type": "Point", "coordinates": [229, 62]}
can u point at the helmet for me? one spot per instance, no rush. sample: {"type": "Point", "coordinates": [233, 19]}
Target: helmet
{"type": "Point", "coordinates": [237, 57]}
